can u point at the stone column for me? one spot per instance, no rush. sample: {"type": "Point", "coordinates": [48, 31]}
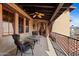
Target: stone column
{"type": "Point", "coordinates": [16, 24]}
{"type": "Point", "coordinates": [24, 25]}
{"type": "Point", "coordinates": [1, 21]}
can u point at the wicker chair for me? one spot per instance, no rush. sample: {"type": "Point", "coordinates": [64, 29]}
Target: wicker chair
{"type": "Point", "coordinates": [22, 47]}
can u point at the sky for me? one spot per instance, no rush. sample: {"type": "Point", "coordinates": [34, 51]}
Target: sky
{"type": "Point", "coordinates": [74, 15]}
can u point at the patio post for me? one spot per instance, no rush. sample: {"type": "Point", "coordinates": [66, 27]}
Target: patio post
{"type": "Point", "coordinates": [1, 21]}
{"type": "Point", "coordinates": [24, 25]}
{"type": "Point", "coordinates": [16, 27]}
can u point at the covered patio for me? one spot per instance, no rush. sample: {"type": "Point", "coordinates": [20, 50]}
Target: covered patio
{"type": "Point", "coordinates": [23, 19]}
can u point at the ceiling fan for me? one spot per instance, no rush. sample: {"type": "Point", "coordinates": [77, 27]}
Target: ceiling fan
{"type": "Point", "coordinates": [37, 14]}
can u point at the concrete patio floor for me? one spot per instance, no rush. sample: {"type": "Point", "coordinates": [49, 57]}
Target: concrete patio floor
{"type": "Point", "coordinates": [41, 48]}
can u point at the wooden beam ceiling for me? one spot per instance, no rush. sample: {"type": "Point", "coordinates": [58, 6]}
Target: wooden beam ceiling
{"type": "Point", "coordinates": [56, 11]}
{"type": "Point", "coordinates": [45, 8]}
{"type": "Point", "coordinates": [50, 10]}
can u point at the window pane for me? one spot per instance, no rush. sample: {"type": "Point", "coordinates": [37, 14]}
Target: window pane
{"type": "Point", "coordinates": [27, 28]}
{"type": "Point", "coordinates": [27, 25]}
{"type": "Point", "coordinates": [7, 22]}
{"type": "Point", "coordinates": [21, 27]}
{"type": "Point", "coordinates": [10, 28]}
{"type": "Point", "coordinates": [5, 28]}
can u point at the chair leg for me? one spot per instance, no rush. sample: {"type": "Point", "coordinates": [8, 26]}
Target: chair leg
{"type": "Point", "coordinates": [16, 51]}
{"type": "Point", "coordinates": [21, 53]}
{"type": "Point", "coordinates": [32, 50]}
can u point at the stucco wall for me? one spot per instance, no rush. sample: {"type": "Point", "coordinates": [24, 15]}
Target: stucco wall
{"type": "Point", "coordinates": [62, 24]}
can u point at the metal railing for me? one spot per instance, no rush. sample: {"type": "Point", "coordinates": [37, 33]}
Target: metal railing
{"type": "Point", "coordinates": [68, 44]}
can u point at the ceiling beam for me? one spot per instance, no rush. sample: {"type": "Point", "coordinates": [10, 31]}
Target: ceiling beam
{"type": "Point", "coordinates": [48, 14]}
{"type": "Point", "coordinates": [47, 11]}
{"type": "Point", "coordinates": [38, 6]}
{"type": "Point", "coordinates": [56, 11]}
{"type": "Point", "coordinates": [18, 9]}
{"type": "Point", "coordinates": [42, 10]}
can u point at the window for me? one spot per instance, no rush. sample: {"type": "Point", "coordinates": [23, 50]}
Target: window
{"type": "Point", "coordinates": [21, 25]}
{"type": "Point", "coordinates": [7, 22]}
{"type": "Point", "coordinates": [27, 25]}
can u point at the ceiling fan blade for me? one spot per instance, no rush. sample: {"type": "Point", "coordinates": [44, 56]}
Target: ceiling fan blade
{"type": "Point", "coordinates": [39, 16]}
{"type": "Point", "coordinates": [34, 16]}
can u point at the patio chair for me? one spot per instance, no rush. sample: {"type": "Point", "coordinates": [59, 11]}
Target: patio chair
{"type": "Point", "coordinates": [34, 35]}
{"type": "Point", "coordinates": [22, 47]}
{"type": "Point", "coordinates": [34, 32]}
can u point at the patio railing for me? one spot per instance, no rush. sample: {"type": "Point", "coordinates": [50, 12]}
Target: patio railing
{"type": "Point", "coordinates": [68, 44]}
